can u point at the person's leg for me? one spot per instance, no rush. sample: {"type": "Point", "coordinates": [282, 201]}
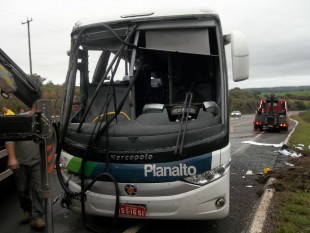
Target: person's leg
{"type": "Point", "coordinates": [22, 184]}
{"type": "Point", "coordinates": [37, 200]}
{"type": "Point", "coordinates": [35, 188]}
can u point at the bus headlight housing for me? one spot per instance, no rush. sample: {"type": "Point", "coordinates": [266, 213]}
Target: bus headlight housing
{"type": "Point", "coordinates": [209, 176]}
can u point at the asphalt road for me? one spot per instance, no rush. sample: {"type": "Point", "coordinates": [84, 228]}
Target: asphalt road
{"type": "Point", "coordinates": [244, 193]}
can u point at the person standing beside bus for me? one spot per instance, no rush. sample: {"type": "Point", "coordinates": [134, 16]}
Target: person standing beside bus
{"type": "Point", "coordinates": [7, 111]}
{"type": "Point", "coordinates": [24, 160]}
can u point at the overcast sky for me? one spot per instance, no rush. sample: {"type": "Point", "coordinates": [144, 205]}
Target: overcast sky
{"type": "Point", "coordinates": [278, 33]}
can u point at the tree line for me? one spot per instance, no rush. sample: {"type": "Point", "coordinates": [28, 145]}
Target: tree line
{"type": "Point", "coordinates": [49, 91]}
{"type": "Point", "coordinates": [247, 101]}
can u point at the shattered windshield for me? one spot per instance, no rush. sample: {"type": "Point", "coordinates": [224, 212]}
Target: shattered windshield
{"type": "Point", "coordinates": [127, 72]}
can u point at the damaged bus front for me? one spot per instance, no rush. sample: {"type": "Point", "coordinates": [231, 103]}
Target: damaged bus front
{"type": "Point", "coordinates": [151, 136]}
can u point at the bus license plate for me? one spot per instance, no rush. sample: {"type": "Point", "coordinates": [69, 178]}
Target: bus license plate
{"type": "Point", "coordinates": [132, 210]}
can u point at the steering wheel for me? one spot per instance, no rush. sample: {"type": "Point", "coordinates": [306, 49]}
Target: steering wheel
{"type": "Point", "coordinates": [109, 114]}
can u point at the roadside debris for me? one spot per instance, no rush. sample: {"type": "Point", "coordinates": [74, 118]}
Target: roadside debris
{"type": "Point", "coordinates": [303, 146]}
{"type": "Point", "coordinates": [290, 153]}
{"type": "Point", "coordinates": [249, 172]}
{"type": "Point", "coordinates": [284, 152]}
{"type": "Point", "coordinates": [300, 148]}
{"type": "Point", "coordinates": [294, 155]}
{"type": "Point", "coordinates": [266, 170]}
{"type": "Point", "coordinates": [289, 164]}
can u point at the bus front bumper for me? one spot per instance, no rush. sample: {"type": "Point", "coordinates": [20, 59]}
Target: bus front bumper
{"type": "Point", "coordinates": [210, 201]}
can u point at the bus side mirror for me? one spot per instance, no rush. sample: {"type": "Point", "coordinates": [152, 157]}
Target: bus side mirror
{"type": "Point", "coordinates": [239, 55]}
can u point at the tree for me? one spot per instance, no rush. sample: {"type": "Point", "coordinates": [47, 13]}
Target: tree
{"type": "Point", "coordinates": [300, 105]}
{"type": "Point", "coordinates": [245, 101]}
{"type": "Point", "coordinates": [37, 79]}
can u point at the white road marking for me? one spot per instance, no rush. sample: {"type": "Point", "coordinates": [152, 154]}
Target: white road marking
{"type": "Point", "coordinates": [263, 144]}
{"type": "Point", "coordinates": [257, 223]}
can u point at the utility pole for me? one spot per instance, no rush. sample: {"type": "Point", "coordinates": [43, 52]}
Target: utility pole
{"type": "Point", "coordinates": [28, 24]}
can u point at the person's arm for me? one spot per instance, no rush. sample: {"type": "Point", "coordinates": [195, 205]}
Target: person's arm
{"type": "Point", "coordinates": [12, 161]}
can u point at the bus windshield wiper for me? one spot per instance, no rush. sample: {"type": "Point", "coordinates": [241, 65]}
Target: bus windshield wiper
{"type": "Point", "coordinates": [182, 130]}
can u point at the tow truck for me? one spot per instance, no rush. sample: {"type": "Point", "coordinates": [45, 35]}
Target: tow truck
{"type": "Point", "coordinates": [272, 114]}
{"type": "Point", "coordinates": [13, 80]}
{"type": "Point", "coordinates": [39, 128]}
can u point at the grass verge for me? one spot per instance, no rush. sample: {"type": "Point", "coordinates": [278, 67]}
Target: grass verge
{"type": "Point", "coordinates": [301, 134]}
{"type": "Point", "coordinates": [290, 210]}
{"type": "Point", "coordinates": [295, 213]}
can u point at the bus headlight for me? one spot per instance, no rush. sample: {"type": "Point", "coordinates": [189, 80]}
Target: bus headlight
{"type": "Point", "coordinates": [209, 176]}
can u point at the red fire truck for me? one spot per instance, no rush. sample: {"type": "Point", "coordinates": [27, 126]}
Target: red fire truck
{"type": "Point", "coordinates": [272, 114]}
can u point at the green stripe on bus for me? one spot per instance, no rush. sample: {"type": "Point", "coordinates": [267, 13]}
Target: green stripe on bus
{"type": "Point", "coordinates": [75, 165]}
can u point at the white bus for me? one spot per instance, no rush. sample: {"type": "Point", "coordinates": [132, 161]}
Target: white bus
{"type": "Point", "coordinates": [152, 136]}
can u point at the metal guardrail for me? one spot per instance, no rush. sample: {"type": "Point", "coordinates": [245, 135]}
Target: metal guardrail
{"type": "Point", "coordinates": [7, 172]}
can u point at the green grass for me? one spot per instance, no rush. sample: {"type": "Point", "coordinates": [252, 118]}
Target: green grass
{"type": "Point", "coordinates": [302, 131]}
{"type": "Point", "coordinates": [295, 213]}
{"type": "Point", "coordinates": [294, 210]}
{"type": "Point", "coordinates": [305, 116]}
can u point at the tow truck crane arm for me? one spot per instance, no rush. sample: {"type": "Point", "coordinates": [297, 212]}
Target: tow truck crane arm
{"type": "Point", "coordinates": [13, 80]}
{"type": "Point", "coordinates": [26, 127]}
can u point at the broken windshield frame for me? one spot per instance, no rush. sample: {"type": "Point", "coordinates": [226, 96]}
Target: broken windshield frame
{"type": "Point", "coordinates": [111, 42]}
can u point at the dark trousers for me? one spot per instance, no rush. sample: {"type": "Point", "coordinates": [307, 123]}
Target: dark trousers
{"type": "Point", "coordinates": [28, 183]}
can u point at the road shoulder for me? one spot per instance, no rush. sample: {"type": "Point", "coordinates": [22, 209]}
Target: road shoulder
{"type": "Point", "coordinates": [260, 215]}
